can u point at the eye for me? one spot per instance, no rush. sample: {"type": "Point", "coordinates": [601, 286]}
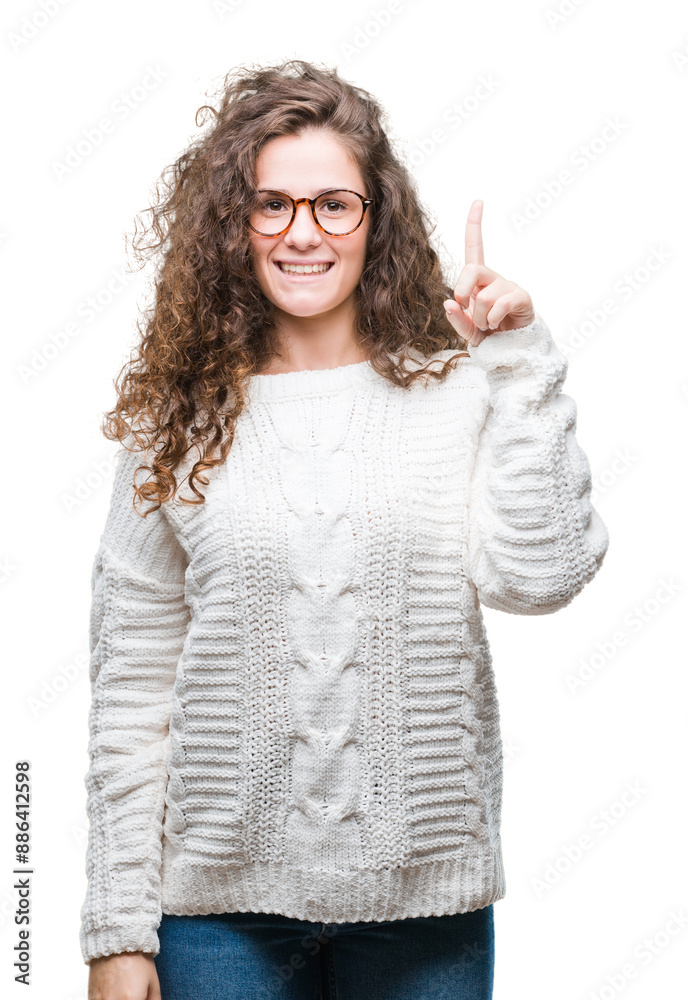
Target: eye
{"type": "Point", "coordinates": [273, 205]}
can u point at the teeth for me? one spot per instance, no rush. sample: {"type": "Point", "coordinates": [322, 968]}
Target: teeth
{"type": "Point", "coordinates": [303, 268]}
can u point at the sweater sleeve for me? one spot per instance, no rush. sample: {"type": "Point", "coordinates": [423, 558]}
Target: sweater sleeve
{"type": "Point", "coordinates": [138, 623]}
{"type": "Point", "coordinates": [534, 538]}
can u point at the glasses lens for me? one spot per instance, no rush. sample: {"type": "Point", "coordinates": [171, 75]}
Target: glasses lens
{"type": "Point", "coordinates": [338, 211]}
{"type": "Point", "coordinates": [271, 212]}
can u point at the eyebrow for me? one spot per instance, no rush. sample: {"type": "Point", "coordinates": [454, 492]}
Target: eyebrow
{"type": "Point", "coordinates": [332, 187]}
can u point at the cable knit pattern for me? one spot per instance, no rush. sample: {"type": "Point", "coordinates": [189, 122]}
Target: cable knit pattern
{"type": "Point", "coordinates": [293, 703]}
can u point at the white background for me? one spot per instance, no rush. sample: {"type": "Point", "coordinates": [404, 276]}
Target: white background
{"type": "Point", "coordinates": [570, 929]}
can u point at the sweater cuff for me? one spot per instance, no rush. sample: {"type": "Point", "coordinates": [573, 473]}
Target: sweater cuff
{"type": "Point", "coordinates": [119, 938]}
{"type": "Point", "coordinates": [519, 359]}
{"type": "Point", "coordinates": [512, 348]}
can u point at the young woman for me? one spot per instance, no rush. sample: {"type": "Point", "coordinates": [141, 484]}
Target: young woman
{"type": "Point", "coordinates": [295, 757]}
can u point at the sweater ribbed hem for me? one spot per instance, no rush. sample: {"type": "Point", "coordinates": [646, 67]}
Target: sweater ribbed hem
{"type": "Point", "coordinates": [453, 885]}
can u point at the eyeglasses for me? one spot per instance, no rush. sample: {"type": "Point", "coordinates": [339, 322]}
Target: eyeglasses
{"type": "Point", "coordinates": [338, 212]}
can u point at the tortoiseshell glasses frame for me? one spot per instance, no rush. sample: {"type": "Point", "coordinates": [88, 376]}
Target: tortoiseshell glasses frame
{"type": "Point", "coordinates": [365, 202]}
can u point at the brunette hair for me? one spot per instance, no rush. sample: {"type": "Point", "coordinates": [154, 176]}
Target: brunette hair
{"type": "Point", "coordinates": [211, 327]}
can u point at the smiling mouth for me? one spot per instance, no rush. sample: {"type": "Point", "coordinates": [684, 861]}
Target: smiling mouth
{"type": "Point", "coordinates": [296, 272]}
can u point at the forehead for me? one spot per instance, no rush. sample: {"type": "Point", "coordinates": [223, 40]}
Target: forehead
{"type": "Point", "coordinates": [305, 164]}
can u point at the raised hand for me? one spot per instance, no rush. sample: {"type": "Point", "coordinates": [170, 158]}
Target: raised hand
{"type": "Point", "coordinates": [484, 302]}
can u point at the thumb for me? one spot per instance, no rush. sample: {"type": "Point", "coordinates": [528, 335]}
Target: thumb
{"type": "Point", "coordinates": [458, 319]}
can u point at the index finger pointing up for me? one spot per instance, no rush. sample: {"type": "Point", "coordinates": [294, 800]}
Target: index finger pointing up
{"type": "Point", "coordinates": [474, 236]}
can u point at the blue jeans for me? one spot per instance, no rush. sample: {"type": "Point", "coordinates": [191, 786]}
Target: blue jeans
{"type": "Point", "coordinates": [256, 956]}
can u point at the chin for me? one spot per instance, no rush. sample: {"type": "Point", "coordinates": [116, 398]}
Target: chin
{"type": "Point", "coordinates": [307, 309]}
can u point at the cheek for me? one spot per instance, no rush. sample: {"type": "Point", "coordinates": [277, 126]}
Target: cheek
{"type": "Point", "coordinates": [355, 259]}
{"type": "Point", "coordinates": [259, 261]}
{"type": "Point", "coordinates": [354, 249]}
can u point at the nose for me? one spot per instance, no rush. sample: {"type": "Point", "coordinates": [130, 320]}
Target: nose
{"type": "Point", "coordinates": [303, 226]}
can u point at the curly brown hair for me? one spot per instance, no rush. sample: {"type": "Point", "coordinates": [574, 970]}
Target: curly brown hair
{"type": "Point", "coordinates": [211, 327]}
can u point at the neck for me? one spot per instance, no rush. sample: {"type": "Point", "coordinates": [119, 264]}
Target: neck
{"type": "Point", "coordinates": [326, 340]}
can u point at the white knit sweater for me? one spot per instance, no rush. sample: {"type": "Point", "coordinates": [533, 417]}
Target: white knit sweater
{"type": "Point", "coordinates": [293, 702]}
